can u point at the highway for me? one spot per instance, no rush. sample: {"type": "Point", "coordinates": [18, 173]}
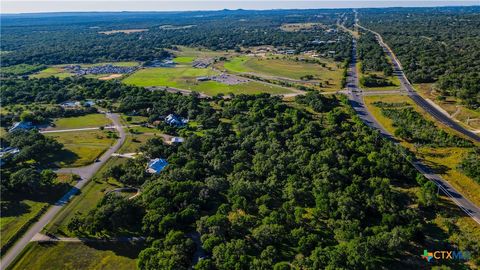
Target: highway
{"type": "Point", "coordinates": [86, 173]}
{"type": "Point", "coordinates": [420, 101]}
{"type": "Point", "coordinates": [355, 97]}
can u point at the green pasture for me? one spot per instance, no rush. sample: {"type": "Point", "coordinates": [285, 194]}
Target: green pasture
{"type": "Point", "coordinates": [85, 121]}
{"type": "Point", "coordinates": [81, 147]}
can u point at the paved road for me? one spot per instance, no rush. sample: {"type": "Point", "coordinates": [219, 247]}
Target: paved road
{"type": "Point", "coordinates": [86, 174]}
{"type": "Point", "coordinates": [420, 101]}
{"type": "Point", "coordinates": [356, 100]}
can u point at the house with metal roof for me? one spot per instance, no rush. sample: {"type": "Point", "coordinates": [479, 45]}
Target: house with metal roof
{"type": "Point", "coordinates": [175, 120]}
{"type": "Point", "coordinates": [156, 165]}
{"type": "Point", "coordinates": [22, 125]}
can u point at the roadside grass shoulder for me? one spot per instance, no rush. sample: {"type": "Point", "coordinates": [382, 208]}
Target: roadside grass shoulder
{"type": "Point", "coordinates": [468, 117]}
{"type": "Point", "coordinates": [69, 255]}
{"type": "Point", "coordinates": [90, 195]}
{"type": "Point", "coordinates": [443, 160]}
{"type": "Point", "coordinates": [85, 121]}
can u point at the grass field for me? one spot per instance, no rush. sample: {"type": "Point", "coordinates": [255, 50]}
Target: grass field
{"type": "Point", "coordinates": [392, 79]}
{"type": "Point", "coordinates": [172, 77]}
{"type": "Point", "coordinates": [20, 212]}
{"type": "Point", "coordinates": [85, 121]}
{"type": "Point", "coordinates": [184, 59]}
{"type": "Point", "coordinates": [330, 75]}
{"type": "Point", "coordinates": [18, 215]}
{"type": "Point", "coordinates": [83, 147]}
{"type": "Point", "coordinates": [90, 195]}
{"type": "Point", "coordinates": [52, 71]}
{"type": "Point", "coordinates": [198, 52]}
{"type": "Point", "coordinates": [185, 78]}
{"type": "Point", "coordinates": [73, 256]}
{"type": "Point", "coordinates": [443, 160]}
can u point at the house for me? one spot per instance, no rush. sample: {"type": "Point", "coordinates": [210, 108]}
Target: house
{"type": "Point", "coordinates": [175, 120]}
{"type": "Point", "coordinates": [203, 79]}
{"type": "Point", "coordinates": [89, 103]}
{"type": "Point", "coordinates": [177, 140]}
{"type": "Point", "coordinates": [156, 165]}
{"type": "Point", "coordinates": [22, 125]}
{"type": "Point", "coordinates": [70, 104]}
{"type": "Point", "coordinates": [8, 151]}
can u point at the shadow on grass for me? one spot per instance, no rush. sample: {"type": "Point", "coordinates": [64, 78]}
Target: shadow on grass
{"type": "Point", "coordinates": [65, 156]}
{"type": "Point", "coordinates": [14, 208]}
{"type": "Point", "coordinates": [124, 249]}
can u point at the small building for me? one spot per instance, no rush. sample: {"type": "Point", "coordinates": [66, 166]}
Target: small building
{"type": "Point", "coordinates": [177, 140]}
{"type": "Point", "coordinates": [156, 165]}
{"type": "Point", "coordinates": [22, 125]}
{"type": "Point", "coordinates": [175, 120]}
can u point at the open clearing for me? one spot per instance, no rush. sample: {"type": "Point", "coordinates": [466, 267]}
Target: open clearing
{"type": "Point", "coordinates": [468, 117]}
{"type": "Point", "coordinates": [85, 121]}
{"type": "Point", "coordinates": [124, 31]}
{"type": "Point", "coordinates": [283, 67]}
{"type": "Point", "coordinates": [55, 71]}
{"type": "Point", "coordinates": [186, 78]}
{"type": "Point", "coordinates": [72, 256]}
{"type": "Point", "coordinates": [82, 147]}
{"type": "Point", "coordinates": [295, 27]}
{"type": "Point", "coordinates": [444, 160]}
{"type": "Point", "coordinates": [198, 52]}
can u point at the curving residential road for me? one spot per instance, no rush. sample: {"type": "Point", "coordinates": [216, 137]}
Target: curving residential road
{"type": "Point", "coordinates": [355, 97]}
{"type": "Point", "coordinates": [85, 173]}
{"type": "Point", "coordinates": [420, 101]}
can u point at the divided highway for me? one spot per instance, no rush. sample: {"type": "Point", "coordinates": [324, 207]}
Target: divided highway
{"type": "Point", "coordinates": [355, 97]}
{"type": "Point", "coordinates": [86, 173]}
{"type": "Point", "coordinates": [420, 101]}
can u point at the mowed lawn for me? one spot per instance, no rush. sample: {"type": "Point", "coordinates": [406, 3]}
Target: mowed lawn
{"type": "Point", "coordinates": [85, 121]}
{"type": "Point", "coordinates": [445, 159]}
{"type": "Point", "coordinates": [186, 78]}
{"type": "Point", "coordinates": [74, 256]}
{"type": "Point", "coordinates": [82, 147]}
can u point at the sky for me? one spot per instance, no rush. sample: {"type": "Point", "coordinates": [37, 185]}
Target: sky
{"type": "Point", "coordinates": [29, 6]}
